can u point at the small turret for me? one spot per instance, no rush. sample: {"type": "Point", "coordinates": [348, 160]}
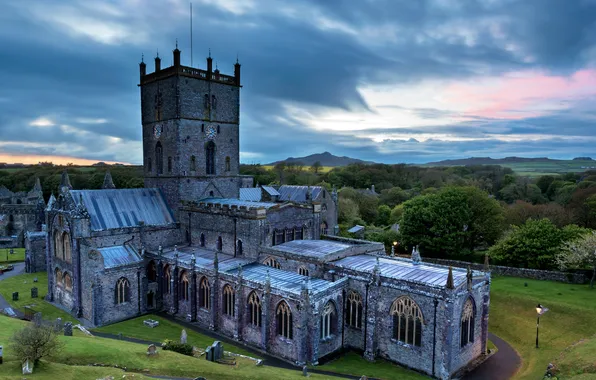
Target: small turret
{"type": "Point", "coordinates": [209, 64]}
{"type": "Point", "coordinates": [65, 182]}
{"type": "Point", "coordinates": [37, 186]}
{"type": "Point", "coordinates": [176, 55]}
{"type": "Point", "coordinates": [143, 66]}
{"type": "Point", "coordinates": [108, 183]}
{"type": "Point", "coordinates": [237, 72]}
{"type": "Point", "coordinates": [157, 63]}
{"type": "Point", "coordinates": [449, 284]}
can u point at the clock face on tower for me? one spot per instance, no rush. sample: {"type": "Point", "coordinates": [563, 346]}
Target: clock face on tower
{"type": "Point", "coordinates": [211, 132]}
{"type": "Point", "coordinates": [157, 130]}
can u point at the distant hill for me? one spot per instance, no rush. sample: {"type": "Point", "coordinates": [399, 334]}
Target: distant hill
{"type": "Point", "coordinates": [497, 161]}
{"type": "Point", "coordinates": [326, 159]}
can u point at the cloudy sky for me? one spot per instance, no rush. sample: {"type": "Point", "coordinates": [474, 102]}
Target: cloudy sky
{"type": "Point", "coordinates": [384, 80]}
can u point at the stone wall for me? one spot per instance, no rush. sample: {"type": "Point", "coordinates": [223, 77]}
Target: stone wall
{"type": "Point", "coordinates": [536, 274]}
{"type": "Point", "coordinates": [35, 252]}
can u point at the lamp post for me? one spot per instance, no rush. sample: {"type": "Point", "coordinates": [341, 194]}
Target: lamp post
{"type": "Point", "coordinates": [539, 311]}
{"type": "Point", "coordinates": [393, 248]}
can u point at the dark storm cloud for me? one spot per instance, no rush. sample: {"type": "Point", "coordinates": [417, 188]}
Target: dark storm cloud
{"type": "Point", "coordinates": [311, 54]}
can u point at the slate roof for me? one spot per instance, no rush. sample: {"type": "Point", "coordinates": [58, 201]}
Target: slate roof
{"type": "Point", "coordinates": [238, 202]}
{"type": "Point", "coordinates": [298, 193]}
{"type": "Point", "coordinates": [252, 194]}
{"type": "Point", "coordinates": [356, 228]}
{"type": "Point", "coordinates": [119, 255]}
{"type": "Point", "coordinates": [311, 248]}
{"type": "Point", "coordinates": [270, 190]}
{"type": "Point", "coordinates": [118, 208]}
{"type": "Point", "coordinates": [290, 282]}
{"type": "Point", "coordinates": [432, 275]}
{"type": "Point", "coordinates": [204, 258]}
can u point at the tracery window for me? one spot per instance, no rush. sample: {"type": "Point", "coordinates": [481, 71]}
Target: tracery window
{"type": "Point", "coordinates": [122, 291]}
{"type": "Point", "coordinates": [184, 287]}
{"type": "Point", "coordinates": [151, 271]}
{"type": "Point", "coordinates": [229, 299]}
{"type": "Point", "coordinates": [467, 323]}
{"type": "Point", "coordinates": [204, 293]}
{"type": "Point", "coordinates": [167, 278]}
{"type": "Point", "coordinates": [254, 306]}
{"type": "Point", "coordinates": [407, 321]}
{"type": "Point", "coordinates": [284, 320]}
{"type": "Point", "coordinates": [270, 261]}
{"type": "Point", "coordinates": [354, 310]}
{"type": "Point", "coordinates": [303, 271]}
{"type": "Point", "coordinates": [67, 280]}
{"type": "Point", "coordinates": [328, 320]}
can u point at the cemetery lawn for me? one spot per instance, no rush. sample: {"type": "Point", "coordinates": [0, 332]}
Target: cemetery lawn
{"type": "Point", "coordinates": [134, 328]}
{"type": "Point", "coordinates": [80, 351]}
{"type": "Point", "coordinates": [352, 363]}
{"type": "Point", "coordinates": [571, 317]}
{"type": "Point", "coordinates": [17, 257]}
{"type": "Point", "coordinates": [23, 284]}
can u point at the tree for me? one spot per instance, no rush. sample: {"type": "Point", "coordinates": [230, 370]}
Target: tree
{"type": "Point", "coordinates": [383, 215]}
{"type": "Point", "coordinates": [580, 253]}
{"type": "Point", "coordinates": [316, 167]}
{"type": "Point", "coordinates": [348, 211]}
{"type": "Point", "coordinates": [534, 244]}
{"type": "Point", "coordinates": [35, 342]}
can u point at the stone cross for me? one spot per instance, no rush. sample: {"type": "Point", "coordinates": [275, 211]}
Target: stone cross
{"type": "Point", "coordinates": [151, 350]}
{"type": "Point", "coordinates": [58, 324]}
{"type": "Point", "coordinates": [15, 296]}
{"type": "Point", "coordinates": [68, 329]}
{"type": "Point", "coordinates": [33, 292]}
{"type": "Point", "coordinates": [183, 337]}
{"type": "Point", "coordinates": [37, 319]}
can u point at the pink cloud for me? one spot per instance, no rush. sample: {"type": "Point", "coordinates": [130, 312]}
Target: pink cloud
{"type": "Point", "coordinates": [521, 94]}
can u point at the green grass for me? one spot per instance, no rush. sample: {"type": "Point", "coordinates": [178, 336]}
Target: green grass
{"type": "Point", "coordinates": [80, 351]}
{"type": "Point", "coordinates": [23, 284]}
{"type": "Point", "coordinates": [167, 329]}
{"type": "Point", "coordinates": [579, 361]}
{"type": "Point", "coordinates": [17, 257]}
{"type": "Point", "coordinates": [353, 364]}
{"type": "Point", "coordinates": [571, 317]}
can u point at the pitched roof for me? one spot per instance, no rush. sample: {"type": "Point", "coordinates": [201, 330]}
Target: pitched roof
{"type": "Point", "coordinates": [119, 255]}
{"type": "Point", "coordinates": [238, 202]}
{"type": "Point", "coordinates": [298, 193]}
{"type": "Point", "coordinates": [252, 194]}
{"type": "Point", "coordinates": [118, 208]}
{"type": "Point", "coordinates": [270, 190]}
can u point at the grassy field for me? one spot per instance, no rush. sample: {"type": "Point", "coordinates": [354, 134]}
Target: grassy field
{"type": "Point", "coordinates": [17, 257]}
{"type": "Point", "coordinates": [571, 317]}
{"type": "Point", "coordinates": [323, 169]}
{"type": "Point", "coordinates": [23, 284]}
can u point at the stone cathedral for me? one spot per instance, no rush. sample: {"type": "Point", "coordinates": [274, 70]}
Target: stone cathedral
{"type": "Point", "coordinates": [260, 265]}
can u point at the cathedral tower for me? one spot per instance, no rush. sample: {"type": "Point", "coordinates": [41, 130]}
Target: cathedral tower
{"type": "Point", "coordinates": [190, 119]}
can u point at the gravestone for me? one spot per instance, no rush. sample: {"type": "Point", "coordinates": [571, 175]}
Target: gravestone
{"type": "Point", "coordinates": [27, 367]}
{"type": "Point", "coordinates": [15, 296]}
{"type": "Point", "coordinates": [119, 335]}
{"type": "Point", "coordinates": [37, 319]}
{"type": "Point", "coordinates": [305, 371]}
{"type": "Point", "coordinates": [188, 317]}
{"type": "Point", "coordinates": [151, 323]}
{"type": "Point", "coordinates": [0, 354]}
{"type": "Point", "coordinates": [33, 292]}
{"type": "Point", "coordinates": [68, 329]}
{"type": "Point", "coordinates": [218, 347]}
{"type": "Point", "coordinates": [151, 350]}
{"type": "Point", "coordinates": [58, 324]}
{"type": "Point", "coordinates": [183, 337]}
{"type": "Point", "coordinates": [209, 354]}
{"type": "Point", "coordinates": [34, 279]}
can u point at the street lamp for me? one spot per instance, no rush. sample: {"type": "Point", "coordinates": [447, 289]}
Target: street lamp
{"type": "Point", "coordinates": [539, 311]}
{"type": "Point", "coordinates": [393, 248]}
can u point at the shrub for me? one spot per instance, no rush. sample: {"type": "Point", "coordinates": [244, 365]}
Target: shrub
{"type": "Point", "coordinates": [181, 348]}
{"type": "Point", "coordinates": [35, 342]}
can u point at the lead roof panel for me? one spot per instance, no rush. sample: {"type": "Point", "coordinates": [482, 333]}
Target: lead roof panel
{"type": "Point", "coordinates": [119, 255]}
{"type": "Point", "coordinates": [311, 248]}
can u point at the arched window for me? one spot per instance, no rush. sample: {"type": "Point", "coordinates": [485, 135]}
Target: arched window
{"type": "Point", "coordinates": [204, 293]}
{"type": "Point", "coordinates": [151, 271]}
{"type": "Point", "coordinates": [324, 228]}
{"type": "Point", "coordinates": [184, 287]}
{"type": "Point", "coordinates": [202, 240]}
{"type": "Point", "coordinates": [122, 291]}
{"type": "Point", "coordinates": [407, 321]}
{"type": "Point", "coordinates": [169, 164]}
{"type": "Point", "coordinates": [66, 253]}
{"type": "Point", "coordinates": [467, 323]}
{"type": "Point", "coordinates": [254, 307]}
{"type": "Point", "coordinates": [328, 320]}
{"type": "Point", "coordinates": [228, 163]}
{"type": "Point", "coordinates": [298, 233]}
{"type": "Point", "coordinates": [239, 251]}
{"type": "Point", "coordinates": [58, 277]}
{"type": "Point", "coordinates": [159, 158]}
{"type": "Point", "coordinates": [167, 278]}
{"type": "Point", "coordinates": [219, 243]}
{"type": "Point", "coordinates": [193, 163]}
{"type": "Point", "coordinates": [67, 280]}
{"type": "Point", "coordinates": [58, 246]}
{"type": "Point", "coordinates": [284, 320]}
{"type": "Point", "coordinates": [210, 157]}
{"type": "Point", "coordinates": [213, 101]}
{"type": "Point", "coordinates": [354, 310]}
{"type": "Point", "coordinates": [270, 261]}
{"type": "Point", "coordinates": [303, 271]}
{"type": "Point", "coordinates": [229, 299]}
{"type": "Point", "coordinates": [289, 234]}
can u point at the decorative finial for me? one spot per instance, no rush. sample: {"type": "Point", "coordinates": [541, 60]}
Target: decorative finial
{"type": "Point", "coordinates": [237, 59]}
{"type": "Point", "coordinates": [239, 270]}
{"type": "Point", "coordinates": [142, 58]}
{"type": "Point", "coordinates": [470, 277]}
{"type": "Point", "coordinates": [176, 43]}
{"type": "Point", "coordinates": [209, 52]}
{"type": "Point", "coordinates": [157, 53]}
{"type": "Point", "coordinates": [216, 66]}
{"type": "Point", "coordinates": [449, 284]}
